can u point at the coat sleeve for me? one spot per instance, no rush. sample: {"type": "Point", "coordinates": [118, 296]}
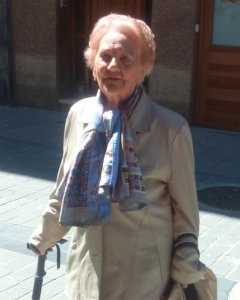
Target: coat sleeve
{"type": "Point", "coordinates": [49, 231]}
{"type": "Point", "coordinates": [186, 267]}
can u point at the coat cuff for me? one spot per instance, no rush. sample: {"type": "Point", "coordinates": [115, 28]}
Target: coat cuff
{"type": "Point", "coordinates": [186, 267]}
{"type": "Point", "coordinates": [48, 231]}
{"type": "Point", "coordinates": [39, 243]}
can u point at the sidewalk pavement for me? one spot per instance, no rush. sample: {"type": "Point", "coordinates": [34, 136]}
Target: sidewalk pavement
{"type": "Point", "coordinates": [30, 152]}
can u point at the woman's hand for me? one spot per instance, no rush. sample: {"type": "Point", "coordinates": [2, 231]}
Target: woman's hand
{"type": "Point", "coordinates": [36, 250]}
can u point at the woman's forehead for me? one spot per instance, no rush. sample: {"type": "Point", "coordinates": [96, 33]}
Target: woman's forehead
{"type": "Point", "coordinates": [118, 40]}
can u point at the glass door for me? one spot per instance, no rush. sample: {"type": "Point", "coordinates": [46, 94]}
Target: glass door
{"type": "Point", "coordinates": [218, 82]}
{"type": "Point", "coordinates": [226, 23]}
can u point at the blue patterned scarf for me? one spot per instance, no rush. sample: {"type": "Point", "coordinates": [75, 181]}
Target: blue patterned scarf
{"type": "Point", "coordinates": [104, 169]}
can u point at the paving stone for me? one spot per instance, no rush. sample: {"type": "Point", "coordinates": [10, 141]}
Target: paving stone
{"type": "Point", "coordinates": [236, 229]}
{"type": "Point", "coordinates": [60, 296]}
{"type": "Point", "coordinates": [8, 282]}
{"type": "Point", "coordinates": [5, 192]}
{"type": "Point", "coordinates": [28, 296]}
{"type": "Point", "coordinates": [229, 239]}
{"type": "Point", "coordinates": [22, 218]}
{"type": "Point", "coordinates": [235, 251]}
{"type": "Point", "coordinates": [201, 245]}
{"type": "Point", "coordinates": [53, 273]}
{"type": "Point", "coordinates": [32, 223]}
{"type": "Point", "coordinates": [28, 201]}
{"type": "Point", "coordinates": [207, 259]}
{"type": "Point", "coordinates": [203, 229]}
{"type": "Point", "coordinates": [16, 234]}
{"type": "Point", "coordinates": [13, 293]}
{"type": "Point", "coordinates": [53, 288]}
{"type": "Point", "coordinates": [10, 178]}
{"type": "Point", "coordinates": [211, 220]}
{"type": "Point", "coordinates": [17, 262]}
{"type": "Point", "coordinates": [223, 227]}
{"type": "Point", "coordinates": [4, 272]}
{"type": "Point", "coordinates": [8, 215]}
{"type": "Point", "coordinates": [5, 226]}
{"type": "Point", "coordinates": [28, 283]}
{"type": "Point", "coordinates": [24, 272]}
{"type": "Point", "coordinates": [11, 198]}
{"type": "Point", "coordinates": [30, 189]}
{"type": "Point", "coordinates": [216, 250]}
{"type": "Point", "coordinates": [7, 207]}
{"type": "Point", "coordinates": [224, 265]}
{"type": "Point", "coordinates": [208, 237]}
{"type": "Point", "coordinates": [5, 256]}
{"type": "Point", "coordinates": [234, 275]}
{"type": "Point", "coordinates": [231, 220]}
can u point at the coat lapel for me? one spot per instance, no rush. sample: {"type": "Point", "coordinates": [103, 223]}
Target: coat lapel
{"type": "Point", "coordinates": [140, 120]}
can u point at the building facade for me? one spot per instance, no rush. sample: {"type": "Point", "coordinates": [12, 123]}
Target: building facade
{"type": "Point", "coordinates": [197, 70]}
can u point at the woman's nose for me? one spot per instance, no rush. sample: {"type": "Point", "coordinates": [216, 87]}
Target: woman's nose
{"type": "Point", "coordinates": [113, 64]}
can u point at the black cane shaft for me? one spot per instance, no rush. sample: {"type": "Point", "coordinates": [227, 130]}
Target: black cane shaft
{"type": "Point", "coordinates": [40, 273]}
{"type": "Point", "coordinates": [37, 287]}
{"type": "Point", "coordinates": [41, 265]}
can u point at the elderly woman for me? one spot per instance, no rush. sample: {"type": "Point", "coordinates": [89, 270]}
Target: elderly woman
{"type": "Point", "coordinates": [126, 182]}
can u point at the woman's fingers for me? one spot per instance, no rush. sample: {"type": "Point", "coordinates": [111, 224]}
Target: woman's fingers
{"type": "Point", "coordinates": [36, 250]}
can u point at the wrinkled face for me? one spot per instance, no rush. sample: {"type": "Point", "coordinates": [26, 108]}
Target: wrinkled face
{"type": "Point", "coordinates": [117, 66]}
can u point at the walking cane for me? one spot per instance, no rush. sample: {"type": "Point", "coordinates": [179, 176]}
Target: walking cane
{"type": "Point", "coordinates": [40, 273]}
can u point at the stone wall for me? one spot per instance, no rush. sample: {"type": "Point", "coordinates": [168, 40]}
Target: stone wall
{"type": "Point", "coordinates": [5, 91]}
{"type": "Point", "coordinates": [34, 52]}
{"type": "Point", "coordinates": [171, 82]}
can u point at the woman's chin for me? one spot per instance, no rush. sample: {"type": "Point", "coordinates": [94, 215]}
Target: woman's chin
{"type": "Point", "coordinates": [113, 89]}
{"type": "Point", "coordinates": [113, 85]}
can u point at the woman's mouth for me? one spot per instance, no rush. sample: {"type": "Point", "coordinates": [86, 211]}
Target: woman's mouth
{"type": "Point", "coordinates": [112, 78]}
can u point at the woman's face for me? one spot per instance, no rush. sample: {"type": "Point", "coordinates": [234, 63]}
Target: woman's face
{"type": "Point", "coordinates": [117, 66]}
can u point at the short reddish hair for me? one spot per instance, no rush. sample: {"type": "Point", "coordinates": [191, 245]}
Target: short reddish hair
{"type": "Point", "coordinates": [142, 30]}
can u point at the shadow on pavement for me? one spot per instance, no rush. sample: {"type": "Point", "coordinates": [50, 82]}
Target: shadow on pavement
{"type": "Point", "coordinates": [31, 141]}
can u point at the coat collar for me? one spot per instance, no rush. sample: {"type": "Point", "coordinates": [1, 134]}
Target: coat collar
{"type": "Point", "coordinates": [140, 120]}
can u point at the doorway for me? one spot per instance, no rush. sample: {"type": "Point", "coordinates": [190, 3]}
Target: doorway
{"type": "Point", "coordinates": [75, 21]}
{"type": "Point", "coordinates": [5, 59]}
{"type": "Point", "coordinates": [218, 82]}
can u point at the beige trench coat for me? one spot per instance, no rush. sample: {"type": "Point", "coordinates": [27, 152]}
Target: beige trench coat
{"type": "Point", "coordinates": [130, 258]}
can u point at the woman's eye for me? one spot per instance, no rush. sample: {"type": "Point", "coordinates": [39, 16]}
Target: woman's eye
{"type": "Point", "coordinates": [126, 60]}
{"type": "Point", "coordinates": [106, 57]}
